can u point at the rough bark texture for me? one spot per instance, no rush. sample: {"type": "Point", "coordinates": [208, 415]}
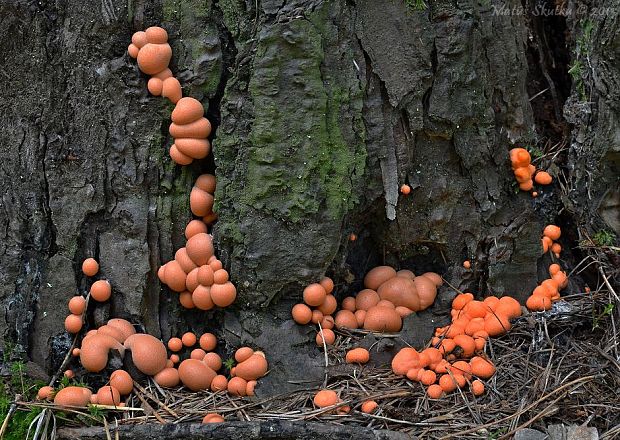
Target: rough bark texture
{"type": "Point", "coordinates": [322, 110]}
{"type": "Point", "coordinates": [593, 111]}
{"type": "Point", "coordinates": [275, 429]}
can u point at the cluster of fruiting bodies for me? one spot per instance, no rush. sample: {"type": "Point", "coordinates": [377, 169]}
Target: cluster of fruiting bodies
{"type": "Point", "coordinates": [455, 356]}
{"type": "Point", "coordinates": [251, 366]}
{"type": "Point", "coordinates": [195, 273]}
{"type": "Point", "coordinates": [549, 289]}
{"type": "Point", "coordinates": [551, 234]}
{"type": "Point", "coordinates": [389, 296]}
{"type": "Point", "coordinates": [526, 173]}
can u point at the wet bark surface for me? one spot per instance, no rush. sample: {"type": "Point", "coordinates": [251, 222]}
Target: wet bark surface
{"type": "Point", "coordinates": [322, 110]}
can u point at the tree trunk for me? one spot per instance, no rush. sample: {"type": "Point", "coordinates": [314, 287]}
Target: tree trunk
{"type": "Point", "coordinates": [321, 109]}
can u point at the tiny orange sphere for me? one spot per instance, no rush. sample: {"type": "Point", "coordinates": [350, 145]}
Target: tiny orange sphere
{"type": "Point", "coordinates": [434, 391]}
{"type": "Point", "coordinates": [553, 232]}
{"type": "Point", "coordinates": [348, 303]}
{"type": "Point", "coordinates": [301, 314]}
{"type": "Point", "coordinates": [428, 377]}
{"type": "Point", "coordinates": [101, 290]}
{"type": "Point", "coordinates": [330, 337]}
{"type": "Point", "coordinates": [543, 178]}
{"type": "Point", "coordinates": [90, 267]}
{"type": "Point", "coordinates": [328, 322]}
{"type": "Point", "coordinates": [175, 344]}
{"type": "Point", "coordinates": [369, 406]}
{"type": "Point", "coordinates": [467, 264]}
{"type": "Point", "coordinates": [185, 298]}
{"type": "Point", "coordinates": [73, 323]}
{"type": "Point", "coordinates": [188, 339]}
{"type": "Point", "coordinates": [405, 189]}
{"type": "Point", "coordinates": [325, 398]}
{"type": "Point", "coordinates": [212, 418]}
{"type": "Point", "coordinates": [77, 305]}
{"type": "Point", "coordinates": [317, 316]}
{"type": "Point", "coordinates": [314, 295]}
{"type": "Point", "coordinates": [328, 284]}
{"type": "Point", "coordinates": [208, 341]}
{"type": "Point", "coordinates": [357, 356]}
{"type": "Point", "coordinates": [197, 353]}
{"type": "Point", "coordinates": [477, 387]}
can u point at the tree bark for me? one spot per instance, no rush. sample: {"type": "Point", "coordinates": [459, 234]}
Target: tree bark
{"type": "Point", "coordinates": [321, 109]}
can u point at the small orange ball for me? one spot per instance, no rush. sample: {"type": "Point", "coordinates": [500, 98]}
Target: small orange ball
{"type": "Point", "coordinates": [197, 353]}
{"type": "Point", "coordinates": [101, 290]}
{"type": "Point", "coordinates": [325, 398]}
{"type": "Point", "coordinates": [434, 391]}
{"type": "Point", "coordinates": [73, 323]}
{"type": "Point", "coordinates": [330, 337]}
{"type": "Point", "coordinates": [348, 303]}
{"type": "Point", "coordinates": [188, 339]}
{"type": "Point", "coordinates": [77, 305]}
{"type": "Point", "coordinates": [212, 418]}
{"type": "Point", "coordinates": [553, 232]}
{"type": "Point", "coordinates": [175, 344]}
{"type": "Point", "coordinates": [405, 189]}
{"type": "Point", "coordinates": [328, 284]}
{"type": "Point", "coordinates": [369, 406]}
{"type": "Point", "coordinates": [185, 298]}
{"type": "Point", "coordinates": [467, 264]}
{"type": "Point", "coordinates": [90, 267]}
{"type": "Point", "coordinates": [317, 316]}
{"type": "Point", "coordinates": [477, 387]}
{"type": "Point", "coordinates": [301, 314]}
{"type": "Point", "coordinates": [357, 356]}
{"type": "Point", "coordinates": [122, 381]}
{"type": "Point", "coordinates": [208, 341]}
{"type": "Point", "coordinates": [314, 295]}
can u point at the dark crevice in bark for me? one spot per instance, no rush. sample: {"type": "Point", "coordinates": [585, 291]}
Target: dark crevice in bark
{"type": "Point", "coordinates": [548, 58]}
{"type": "Point", "coordinates": [229, 55]}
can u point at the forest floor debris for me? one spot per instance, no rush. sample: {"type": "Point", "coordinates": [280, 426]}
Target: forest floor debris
{"type": "Point", "coordinates": [558, 366]}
